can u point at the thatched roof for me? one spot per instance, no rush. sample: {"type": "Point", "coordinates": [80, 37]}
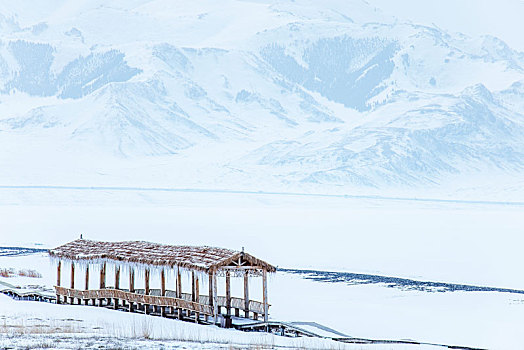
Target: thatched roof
{"type": "Point", "coordinates": [191, 257]}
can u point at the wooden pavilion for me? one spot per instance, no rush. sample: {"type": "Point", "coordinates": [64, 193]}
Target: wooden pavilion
{"type": "Point", "coordinates": [143, 258]}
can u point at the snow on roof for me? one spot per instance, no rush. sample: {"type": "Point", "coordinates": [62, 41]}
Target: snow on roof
{"type": "Point", "coordinates": [200, 258]}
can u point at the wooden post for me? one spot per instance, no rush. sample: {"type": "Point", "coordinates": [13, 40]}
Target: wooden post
{"type": "Point", "coordinates": [117, 284]}
{"type": "Point", "coordinates": [72, 275]}
{"type": "Point", "coordinates": [179, 290]}
{"type": "Point", "coordinates": [264, 286]}
{"type": "Point", "coordinates": [162, 291]}
{"type": "Point", "coordinates": [87, 283]}
{"type": "Point", "coordinates": [197, 298]}
{"type": "Point", "coordinates": [246, 294]}
{"type": "Point", "coordinates": [58, 275]}
{"type": "Point", "coordinates": [146, 292]}
{"type": "Point", "coordinates": [210, 290]}
{"type": "Point", "coordinates": [102, 280]}
{"type": "Point", "coordinates": [215, 297]}
{"type": "Point", "coordinates": [72, 300]}
{"type": "Point", "coordinates": [147, 282]}
{"type": "Point", "coordinates": [192, 285]}
{"type": "Point", "coordinates": [117, 277]}
{"type": "Point", "coordinates": [228, 293]}
{"type": "Point", "coordinates": [103, 276]}
{"type": "Point", "coordinates": [131, 285]}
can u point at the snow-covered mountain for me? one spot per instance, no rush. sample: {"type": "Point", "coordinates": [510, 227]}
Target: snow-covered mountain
{"type": "Point", "coordinates": [329, 96]}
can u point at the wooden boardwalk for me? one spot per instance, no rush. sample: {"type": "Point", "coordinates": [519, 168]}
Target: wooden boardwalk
{"type": "Point", "coordinates": [26, 293]}
{"type": "Point", "coordinates": [169, 304]}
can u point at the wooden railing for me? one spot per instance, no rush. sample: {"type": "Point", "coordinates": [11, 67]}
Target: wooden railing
{"type": "Point", "coordinates": [154, 298]}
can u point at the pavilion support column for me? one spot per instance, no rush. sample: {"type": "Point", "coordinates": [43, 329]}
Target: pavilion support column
{"type": "Point", "coordinates": [163, 291]}
{"type": "Point", "coordinates": [210, 287]}
{"type": "Point", "coordinates": [58, 278]}
{"type": "Point", "coordinates": [215, 297]}
{"type": "Point", "coordinates": [228, 293]}
{"type": "Point", "coordinates": [197, 298]}
{"type": "Point", "coordinates": [264, 295]}
{"type": "Point", "coordinates": [117, 284]}
{"type": "Point", "coordinates": [102, 281]}
{"type": "Point", "coordinates": [179, 290]}
{"type": "Point", "coordinates": [72, 300]}
{"type": "Point", "coordinates": [246, 294]}
{"type": "Point", "coordinates": [86, 286]}
{"type": "Point", "coordinates": [147, 291]}
{"type": "Point", "coordinates": [131, 286]}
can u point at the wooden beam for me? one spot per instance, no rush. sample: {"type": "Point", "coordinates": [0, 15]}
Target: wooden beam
{"type": "Point", "coordinates": [233, 268]}
{"type": "Point", "coordinates": [246, 294]}
{"type": "Point", "coordinates": [264, 298]}
{"type": "Point", "coordinates": [228, 293]}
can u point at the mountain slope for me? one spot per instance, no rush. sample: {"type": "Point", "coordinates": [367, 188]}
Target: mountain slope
{"type": "Point", "coordinates": [260, 94]}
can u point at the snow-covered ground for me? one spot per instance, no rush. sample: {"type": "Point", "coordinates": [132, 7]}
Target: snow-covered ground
{"type": "Point", "coordinates": [450, 242]}
{"type": "Point", "coordinates": [478, 319]}
{"type": "Point", "coordinates": [468, 243]}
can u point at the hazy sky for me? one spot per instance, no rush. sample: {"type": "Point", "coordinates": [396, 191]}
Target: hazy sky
{"type": "Point", "coordinates": [501, 18]}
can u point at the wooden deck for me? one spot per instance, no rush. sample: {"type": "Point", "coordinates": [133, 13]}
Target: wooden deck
{"type": "Point", "coordinates": [154, 298]}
